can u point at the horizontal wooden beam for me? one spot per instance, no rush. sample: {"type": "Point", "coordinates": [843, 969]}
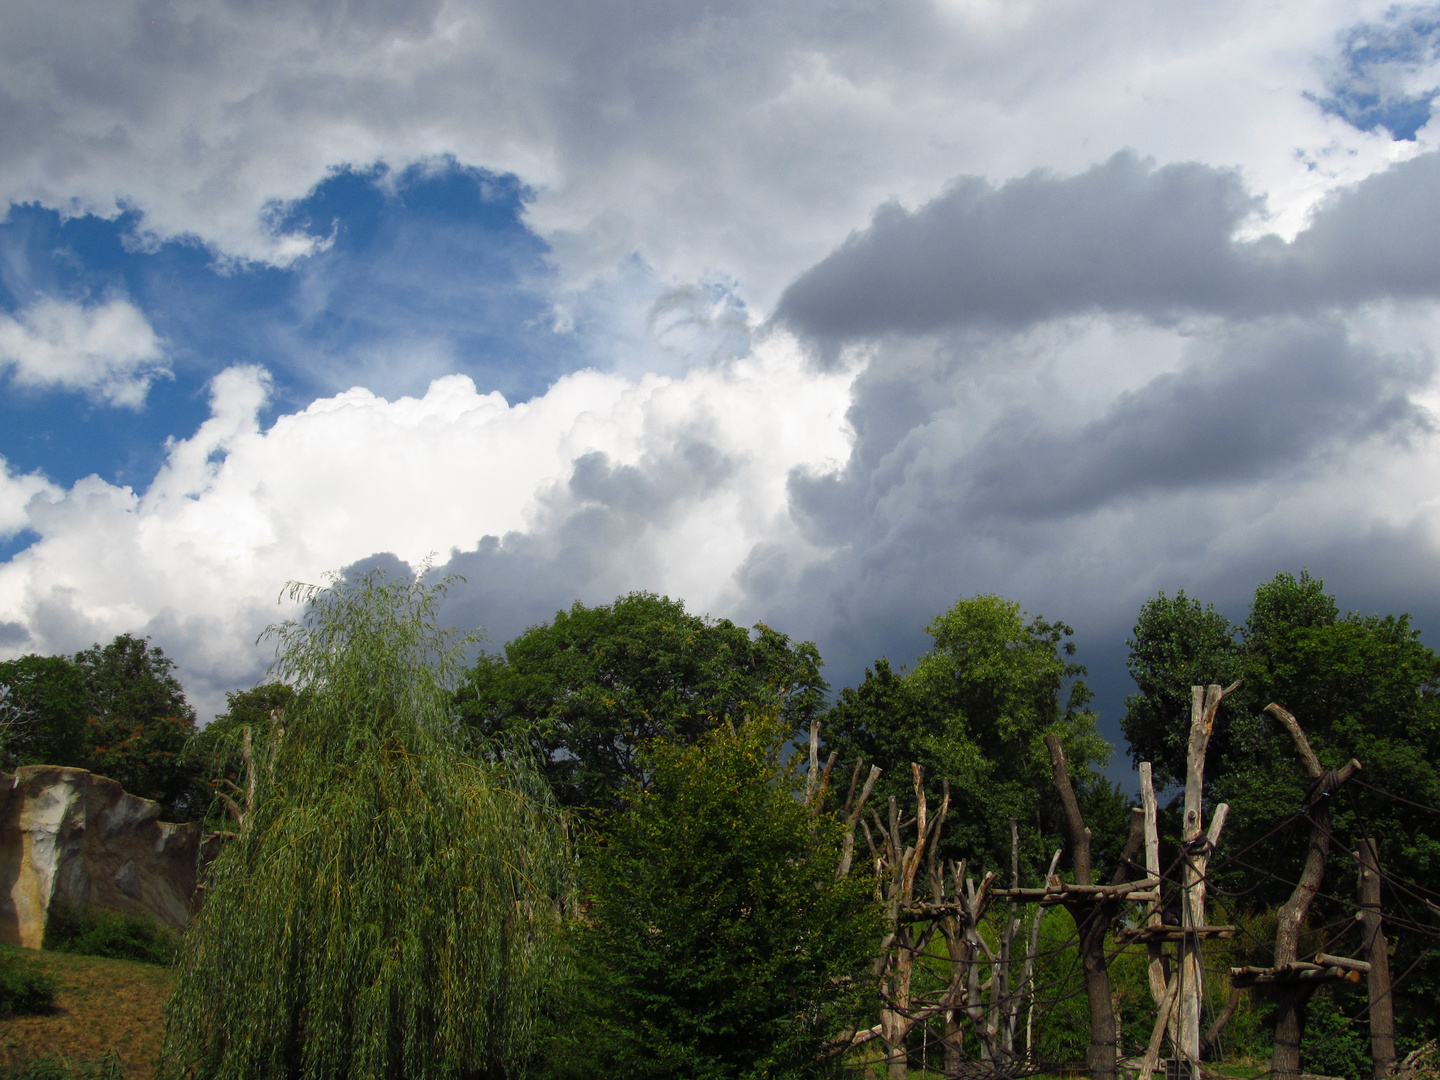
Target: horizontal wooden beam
{"type": "Point", "coordinates": [1174, 933]}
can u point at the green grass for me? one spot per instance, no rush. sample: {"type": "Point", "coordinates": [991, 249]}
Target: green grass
{"type": "Point", "coordinates": [105, 1022]}
{"type": "Point", "coordinates": [55, 1067]}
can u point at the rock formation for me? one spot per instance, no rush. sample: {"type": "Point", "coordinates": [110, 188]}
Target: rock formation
{"type": "Point", "coordinates": [68, 835]}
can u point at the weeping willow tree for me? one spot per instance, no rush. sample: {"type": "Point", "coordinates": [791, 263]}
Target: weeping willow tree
{"type": "Point", "coordinates": [389, 909]}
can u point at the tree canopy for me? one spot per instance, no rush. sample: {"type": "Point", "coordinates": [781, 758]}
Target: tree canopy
{"type": "Point", "coordinates": [975, 710]}
{"type": "Point", "coordinates": [1361, 686]}
{"type": "Point", "coordinates": [585, 691]}
{"type": "Point", "coordinates": [115, 709]}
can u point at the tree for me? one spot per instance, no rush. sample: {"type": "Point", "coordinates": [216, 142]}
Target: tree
{"type": "Point", "coordinates": [1362, 686]}
{"type": "Point", "coordinates": [975, 710]}
{"type": "Point", "coordinates": [139, 722]}
{"type": "Point", "coordinates": [719, 943]}
{"type": "Point", "coordinates": [389, 908]}
{"type": "Point", "coordinates": [1177, 644]}
{"type": "Point", "coordinates": [44, 703]}
{"type": "Point", "coordinates": [585, 691]}
{"type": "Point", "coordinates": [216, 754]}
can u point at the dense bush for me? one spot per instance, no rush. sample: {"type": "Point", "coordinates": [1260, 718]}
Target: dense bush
{"type": "Point", "coordinates": [91, 932]}
{"type": "Point", "coordinates": [24, 988]}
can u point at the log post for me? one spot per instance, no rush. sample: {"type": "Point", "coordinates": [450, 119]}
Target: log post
{"type": "Point", "coordinates": [1204, 705]}
{"type": "Point", "coordinates": [1376, 951]}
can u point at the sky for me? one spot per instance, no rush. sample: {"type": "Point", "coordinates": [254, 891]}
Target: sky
{"type": "Point", "coordinates": [819, 314]}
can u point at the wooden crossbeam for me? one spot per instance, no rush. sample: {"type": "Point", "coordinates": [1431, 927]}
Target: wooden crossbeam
{"type": "Point", "coordinates": [1147, 934]}
{"type": "Point", "coordinates": [1297, 972]}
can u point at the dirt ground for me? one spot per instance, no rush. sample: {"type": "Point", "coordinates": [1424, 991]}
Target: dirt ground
{"type": "Point", "coordinates": [102, 1006]}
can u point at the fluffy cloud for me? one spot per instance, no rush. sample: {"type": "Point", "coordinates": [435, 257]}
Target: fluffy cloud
{"type": "Point", "coordinates": [738, 139]}
{"type": "Point", "coordinates": [665, 481]}
{"type": "Point", "coordinates": [108, 351]}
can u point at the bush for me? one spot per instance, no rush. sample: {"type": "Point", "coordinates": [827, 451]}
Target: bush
{"type": "Point", "coordinates": [1333, 1045]}
{"type": "Point", "coordinates": [24, 988]}
{"type": "Point", "coordinates": [90, 932]}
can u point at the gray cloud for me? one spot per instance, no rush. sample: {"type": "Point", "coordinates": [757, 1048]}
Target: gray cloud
{"type": "Point", "coordinates": [1124, 237]}
{"type": "Point", "coordinates": [1268, 398]}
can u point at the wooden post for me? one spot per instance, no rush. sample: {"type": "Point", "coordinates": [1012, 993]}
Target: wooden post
{"type": "Point", "coordinates": [1376, 951]}
{"type": "Point", "coordinates": [1204, 704]}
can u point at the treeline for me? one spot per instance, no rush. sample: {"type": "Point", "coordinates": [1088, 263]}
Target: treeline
{"type": "Point", "coordinates": [687, 918]}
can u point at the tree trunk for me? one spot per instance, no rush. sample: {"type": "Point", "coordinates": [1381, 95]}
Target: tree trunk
{"type": "Point", "coordinates": [1295, 996]}
{"type": "Point", "coordinates": [1091, 921]}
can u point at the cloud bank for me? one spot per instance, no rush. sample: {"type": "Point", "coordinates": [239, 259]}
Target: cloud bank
{"type": "Point", "coordinates": [660, 482]}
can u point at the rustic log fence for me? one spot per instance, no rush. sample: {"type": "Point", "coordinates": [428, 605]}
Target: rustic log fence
{"type": "Point", "coordinates": [976, 945]}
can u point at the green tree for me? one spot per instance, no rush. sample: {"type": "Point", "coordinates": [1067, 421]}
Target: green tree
{"type": "Point", "coordinates": [44, 703]}
{"type": "Point", "coordinates": [1177, 644]}
{"type": "Point", "coordinates": [215, 755]}
{"type": "Point", "coordinates": [390, 907]}
{"type": "Point", "coordinates": [585, 691]}
{"type": "Point", "coordinates": [719, 943]}
{"type": "Point", "coordinates": [139, 722]}
{"type": "Point", "coordinates": [975, 710]}
{"type": "Point", "coordinates": [1362, 686]}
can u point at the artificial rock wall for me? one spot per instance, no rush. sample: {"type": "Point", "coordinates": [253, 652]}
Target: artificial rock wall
{"type": "Point", "coordinates": [72, 836]}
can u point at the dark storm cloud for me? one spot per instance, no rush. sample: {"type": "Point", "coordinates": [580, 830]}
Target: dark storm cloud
{"type": "Point", "coordinates": [1268, 398]}
{"type": "Point", "coordinates": [1124, 237]}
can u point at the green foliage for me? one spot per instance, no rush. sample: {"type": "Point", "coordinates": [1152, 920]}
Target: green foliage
{"type": "Point", "coordinates": [1333, 1045]}
{"type": "Point", "coordinates": [390, 908]}
{"type": "Point", "coordinates": [44, 702]}
{"type": "Point", "coordinates": [585, 691]}
{"type": "Point", "coordinates": [214, 754]}
{"type": "Point", "coordinates": [139, 722]}
{"type": "Point", "coordinates": [92, 932]}
{"type": "Point", "coordinates": [1362, 686]}
{"type": "Point", "coordinates": [24, 987]}
{"type": "Point", "coordinates": [1177, 644]}
{"type": "Point", "coordinates": [975, 710]}
{"type": "Point", "coordinates": [718, 942]}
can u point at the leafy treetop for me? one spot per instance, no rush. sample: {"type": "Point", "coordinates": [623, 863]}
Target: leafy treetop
{"type": "Point", "coordinates": [586, 690]}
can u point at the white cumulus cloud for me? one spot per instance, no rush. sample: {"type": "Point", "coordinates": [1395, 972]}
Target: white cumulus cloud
{"type": "Point", "coordinates": [198, 558]}
{"type": "Point", "coordinates": [108, 351]}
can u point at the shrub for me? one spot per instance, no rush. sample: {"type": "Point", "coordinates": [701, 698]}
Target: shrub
{"type": "Point", "coordinates": [89, 931]}
{"type": "Point", "coordinates": [1333, 1045]}
{"type": "Point", "coordinates": [24, 988]}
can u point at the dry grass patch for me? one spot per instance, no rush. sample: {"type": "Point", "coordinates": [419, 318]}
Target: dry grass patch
{"type": "Point", "coordinates": [103, 1007]}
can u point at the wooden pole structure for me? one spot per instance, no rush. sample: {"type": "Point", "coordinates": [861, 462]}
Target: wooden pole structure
{"type": "Point", "coordinates": [1204, 705]}
{"type": "Point", "coordinates": [1376, 951]}
{"type": "Point", "coordinates": [1294, 996]}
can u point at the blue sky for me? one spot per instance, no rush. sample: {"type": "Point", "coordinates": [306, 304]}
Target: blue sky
{"type": "Point", "coordinates": [818, 320]}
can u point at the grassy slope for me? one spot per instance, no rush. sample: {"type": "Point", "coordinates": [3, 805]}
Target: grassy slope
{"type": "Point", "coordinates": [102, 1006]}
